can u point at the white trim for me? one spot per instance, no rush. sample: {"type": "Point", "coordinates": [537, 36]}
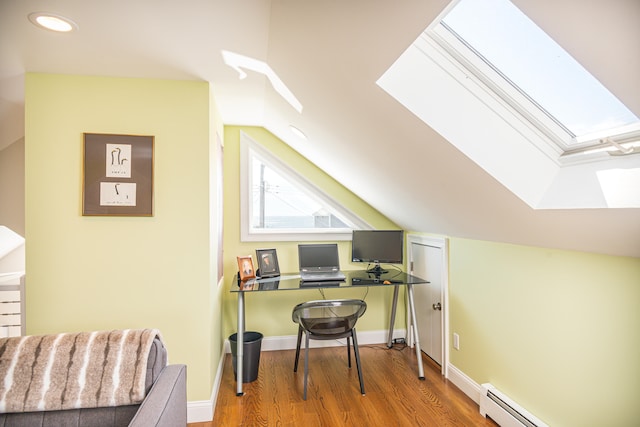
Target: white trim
{"type": "Point", "coordinates": [199, 411]}
{"type": "Point", "coordinates": [288, 342]}
{"type": "Point", "coordinates": [469, 387]}
{"type": "Point", "coordinates": [248, 147]}
{"type": "Point", "coordinates": [441, 243]}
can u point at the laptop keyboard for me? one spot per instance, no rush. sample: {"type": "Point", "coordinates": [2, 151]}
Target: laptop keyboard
{"type": "Point", "coordinates": [320, 276]}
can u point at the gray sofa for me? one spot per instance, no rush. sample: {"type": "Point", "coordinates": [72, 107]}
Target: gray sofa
{"type": "Point", "coordinates": [164, 404]}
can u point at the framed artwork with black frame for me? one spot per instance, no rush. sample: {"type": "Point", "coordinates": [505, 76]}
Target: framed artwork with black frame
{"type": "Point", "coordinates": [267, 262]}
{"type": "Point", "coordinates": [118, 175]}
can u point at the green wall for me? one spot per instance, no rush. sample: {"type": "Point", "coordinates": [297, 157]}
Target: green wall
{"type": "Point", "coordinates": [270, 312]}
{"type": "Point", "coordinates": [557, 331]}
{"type": "Point", "coordinates": [87, 273]}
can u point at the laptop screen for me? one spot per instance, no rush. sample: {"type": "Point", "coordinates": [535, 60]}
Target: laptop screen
{"type": "Point", "coordinates": [318, 256]}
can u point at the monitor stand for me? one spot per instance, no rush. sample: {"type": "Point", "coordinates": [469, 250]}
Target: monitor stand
{"type": "Point", "coordinates": [377, 270]}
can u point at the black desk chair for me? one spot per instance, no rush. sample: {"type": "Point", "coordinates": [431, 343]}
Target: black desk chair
{"type": "Point", "coordinates": [328, 320]}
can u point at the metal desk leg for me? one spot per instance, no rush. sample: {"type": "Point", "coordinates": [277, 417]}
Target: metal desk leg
{"type": "Point", "coordinates": [240, 345]}
{"type": "Point", "coordinates": [393, 316]}
{"type": "Point", "coordinates": [414, 321]}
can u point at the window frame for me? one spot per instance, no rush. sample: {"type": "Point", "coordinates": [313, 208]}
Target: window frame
{"type": "Point", "coordinates": [482, 78]}
{"type": "Point", "coordinates": [250, 148]}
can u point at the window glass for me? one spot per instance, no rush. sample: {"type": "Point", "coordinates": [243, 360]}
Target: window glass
{"type": "Point", "coordinates": [278, 203]}
{"type": "Point", "coordinates": [515, 47]}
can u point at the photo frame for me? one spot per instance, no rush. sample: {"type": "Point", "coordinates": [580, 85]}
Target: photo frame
{"type": "Point", "coordinates": [117, 175]}
{"type": "Point", "coordinates": [267, 262]}
{"type": "Point", "coordinates": [245, 268]}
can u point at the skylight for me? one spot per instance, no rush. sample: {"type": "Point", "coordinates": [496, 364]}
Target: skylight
{"type": "Point", "coordinates": [500, 93]}
{"type": "Point", "coordinates": [524, 56]}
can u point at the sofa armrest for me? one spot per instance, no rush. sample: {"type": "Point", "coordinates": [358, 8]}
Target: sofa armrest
{"type": "Point", "coordinates": [166, 403]}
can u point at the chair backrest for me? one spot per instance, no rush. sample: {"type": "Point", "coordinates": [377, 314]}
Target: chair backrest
{"type": "Point", "coordinates": [329, 318]}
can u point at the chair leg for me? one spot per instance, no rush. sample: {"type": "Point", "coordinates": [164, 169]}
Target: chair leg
{"type": "Point", "coordinates": [357, 353]}
{"type": "Point", "coordinates": [306, 364]}
{"type": "Point", "coordinates": [295, 365]}
{"type": "Point", "coordinates": [349, 351]}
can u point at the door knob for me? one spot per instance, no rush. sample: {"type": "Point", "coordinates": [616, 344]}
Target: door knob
{"type": "Point", "coordinates": [437, 306]}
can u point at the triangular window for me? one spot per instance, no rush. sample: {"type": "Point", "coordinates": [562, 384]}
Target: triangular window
{"type": "Point", "coordinates": [278, 204]}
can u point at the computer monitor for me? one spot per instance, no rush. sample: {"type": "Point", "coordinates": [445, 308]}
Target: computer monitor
{"type": "Point", "coordinates": [376, 247]}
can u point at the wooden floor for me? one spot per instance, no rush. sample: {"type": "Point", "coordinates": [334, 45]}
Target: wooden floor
{"type": "Point", "coordinates": [394, 394]}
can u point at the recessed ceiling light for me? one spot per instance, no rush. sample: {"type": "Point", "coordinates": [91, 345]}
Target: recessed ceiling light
{"type": "Point", "coordinates": [53, 22]}
{"type": "Point", "coordinates": [297, 132]}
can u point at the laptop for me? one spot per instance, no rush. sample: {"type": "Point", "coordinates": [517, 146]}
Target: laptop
{"type": "Point", "coordinates": [319, 263]}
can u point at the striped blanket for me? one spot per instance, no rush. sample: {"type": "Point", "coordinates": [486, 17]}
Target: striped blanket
{"type": "Point", "coordinates": [79, 370]}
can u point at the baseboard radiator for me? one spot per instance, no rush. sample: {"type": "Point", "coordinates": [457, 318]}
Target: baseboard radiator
{"type": "Point", "coordinates": [505, 411]}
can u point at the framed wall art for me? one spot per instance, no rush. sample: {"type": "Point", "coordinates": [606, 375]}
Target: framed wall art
{"type": "Point", "coordinates": [267, 263]}
{"type": "Point", "coordinates": [118, 175]}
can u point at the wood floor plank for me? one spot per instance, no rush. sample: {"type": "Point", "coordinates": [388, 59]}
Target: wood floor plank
{"type": "Point", "coordinates": [394, 394]}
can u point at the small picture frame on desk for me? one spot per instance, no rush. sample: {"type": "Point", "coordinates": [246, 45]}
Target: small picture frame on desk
{"type": "Point", "coordinates": [267, 262]}
{"type": "Point", "coordinates": [245, 268]}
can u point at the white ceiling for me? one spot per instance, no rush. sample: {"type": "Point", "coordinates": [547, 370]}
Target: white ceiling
{"type": "Point", "coordinates": [330, 54]}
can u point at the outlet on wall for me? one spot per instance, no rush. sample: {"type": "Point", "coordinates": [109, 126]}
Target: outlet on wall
{"type": "Point", "coordinates": [456, 341]}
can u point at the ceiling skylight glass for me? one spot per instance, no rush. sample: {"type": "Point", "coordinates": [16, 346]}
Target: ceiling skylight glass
{"type": "Point", "coordinates": [518, 50]}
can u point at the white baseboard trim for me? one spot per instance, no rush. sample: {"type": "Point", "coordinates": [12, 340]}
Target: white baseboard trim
{"type": "Point", "coordinates": [464, 383]}
{"type": "Point", "coordinates": [288, 342]}
{"type": "Point", "coordinates": [202, 410]}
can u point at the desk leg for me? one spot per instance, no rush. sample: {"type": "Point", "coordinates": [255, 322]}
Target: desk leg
{"type": "Point", "coordinates": [240, 345]}
{"type": "Point", "coordinates": [412, 308]}
{"type": "Point", "coordinates": [392, 322]}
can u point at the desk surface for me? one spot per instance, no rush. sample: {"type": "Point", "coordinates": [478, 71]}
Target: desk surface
{"type": "Point", "coordinates": [354, 278]}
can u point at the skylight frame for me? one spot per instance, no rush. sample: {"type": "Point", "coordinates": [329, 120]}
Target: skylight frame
{"type": "Point", "coordinates": [561, 144]}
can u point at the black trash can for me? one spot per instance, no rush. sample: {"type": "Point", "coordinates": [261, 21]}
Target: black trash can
{"type": "Point", "coordinates": [251, 355]}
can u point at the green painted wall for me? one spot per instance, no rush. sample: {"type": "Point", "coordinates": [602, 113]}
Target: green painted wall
{"type": "Point", "coordinates": [557, 331]}
{"type": "Point", "coordinates": [87, 273]}
{"type": "Point", "coordinates": [270, 312]}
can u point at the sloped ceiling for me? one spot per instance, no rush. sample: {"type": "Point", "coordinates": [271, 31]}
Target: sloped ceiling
{"type": "Point", "coordinates": [330, 55]}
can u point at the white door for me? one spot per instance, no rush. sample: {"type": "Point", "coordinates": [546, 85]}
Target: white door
{"type": "Point", "coordinates": [428, 264]}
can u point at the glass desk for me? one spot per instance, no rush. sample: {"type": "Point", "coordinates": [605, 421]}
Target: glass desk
{"type": "Point", "coordinates": [355, 278]}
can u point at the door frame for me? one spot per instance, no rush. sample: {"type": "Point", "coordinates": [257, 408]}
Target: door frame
{"type": "Point", "coordinates": [443, 244]}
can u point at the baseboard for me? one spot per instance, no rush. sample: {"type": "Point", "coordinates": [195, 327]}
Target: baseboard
{"type": "Point", "coordinates": [288, 342]}
{"type": "Point", "coordinates": [199, 411]}
{"type": "Point", "coordinates": [202, 410]}
{"type": "Point", "coordinates": [464, 383]}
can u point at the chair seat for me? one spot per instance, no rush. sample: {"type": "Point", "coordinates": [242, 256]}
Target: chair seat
{"type": "Point", "coordinates": [327, 328]}
{"type": "Point", "coordinates": [328, 320]}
